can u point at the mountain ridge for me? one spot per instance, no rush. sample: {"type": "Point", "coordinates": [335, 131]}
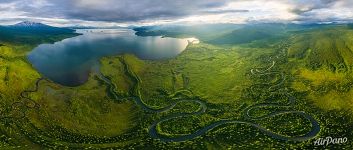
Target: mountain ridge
{"type": "Point", "coordinates": [29, 24]}
{"type": "Point", "coordinates": [32, 32]}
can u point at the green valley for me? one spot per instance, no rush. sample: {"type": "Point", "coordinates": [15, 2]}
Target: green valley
{"type": "Point", "coordinates": [249, 87]}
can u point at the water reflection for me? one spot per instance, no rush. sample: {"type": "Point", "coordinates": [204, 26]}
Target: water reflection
{"type": "Point", "coordinates": [69, 62]}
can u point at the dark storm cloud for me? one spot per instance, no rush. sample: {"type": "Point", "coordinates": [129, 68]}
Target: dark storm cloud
{"type": "Point", "coordinates": [303, 6]}
{"type": "Point", "coordinates": [325, 11]}
{"type": "Point", "coordinates": [127, 10]}
{"type": "Point", "coordinates": [130, 11]}
{"type": "Point", "coordinates": [123, 10]}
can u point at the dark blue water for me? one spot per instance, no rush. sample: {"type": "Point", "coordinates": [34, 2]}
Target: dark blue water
{"type": "Point", "coordinates": [70, 61]}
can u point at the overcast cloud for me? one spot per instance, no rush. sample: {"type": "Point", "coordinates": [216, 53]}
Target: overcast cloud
{"type": "Point", "coordinates": [130, 12]}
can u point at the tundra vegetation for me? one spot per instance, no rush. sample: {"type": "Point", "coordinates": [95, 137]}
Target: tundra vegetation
{"type": "Point", "coordinates": [247, 88]}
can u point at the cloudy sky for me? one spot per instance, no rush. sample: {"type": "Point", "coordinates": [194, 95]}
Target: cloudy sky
{"type": "Point", "coordinates": [147, 12]}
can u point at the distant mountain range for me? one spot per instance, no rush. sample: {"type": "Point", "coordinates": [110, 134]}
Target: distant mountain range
{"type": "Point", "coordinates": [227, 34]}
{"type": "Point", "coordinates": [29, 24]}
{"type": "Point", "coordinates": [34, 27]}
{"type": "Point", "coordinates": [32, 32]}
{"type": "Point", "coordinates": [93, 27]}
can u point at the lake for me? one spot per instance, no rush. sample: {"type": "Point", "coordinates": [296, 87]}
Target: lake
{"type": "Point", "coordinates": [70, 61]}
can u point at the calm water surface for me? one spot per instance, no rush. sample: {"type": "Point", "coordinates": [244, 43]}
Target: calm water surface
{"type": "Point", "coordinates": [70, 61]}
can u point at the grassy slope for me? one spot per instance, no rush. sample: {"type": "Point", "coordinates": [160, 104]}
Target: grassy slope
{"type": "Point", "coordinates": [331, 48]}
{"type": "Point", "coordinates": [16, 74]}
{"type": "Point", "coordinates": [323, 60]}
{"type": "Point", "coordinates": [251, 33]}
{"type": "Point", "coordinates": [85, 110]}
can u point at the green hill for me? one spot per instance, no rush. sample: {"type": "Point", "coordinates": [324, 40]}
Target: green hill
{"type": "Point", "coordinates": [33, 34]}
{"type": "Point", "coordinates": [331, 48]}
{"type": "Point", "coordinates": [241, 36]}
{"type": "Point", "coordinates": [251, 33]}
